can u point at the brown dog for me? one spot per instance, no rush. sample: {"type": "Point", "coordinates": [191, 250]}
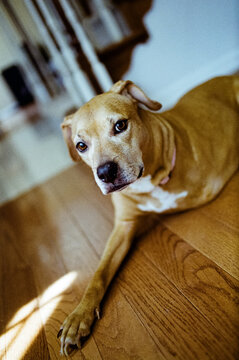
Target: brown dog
{"type": "Point", "coordinates": [151, 162]}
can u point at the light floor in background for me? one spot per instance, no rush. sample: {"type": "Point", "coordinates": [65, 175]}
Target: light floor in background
{"type": "Point", "coordinates": [34, 151]}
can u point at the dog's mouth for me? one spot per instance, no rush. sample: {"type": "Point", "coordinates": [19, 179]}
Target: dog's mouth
{"type": "Point", "coordinates": [118, 187]}
{"type": "Point", "coordinates": [122, 186]}
{"type": "Point", "coordinates": [140, 173]}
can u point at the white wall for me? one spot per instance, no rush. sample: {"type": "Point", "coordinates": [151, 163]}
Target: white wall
{"type": "Point", "coordinates": [190, 42]}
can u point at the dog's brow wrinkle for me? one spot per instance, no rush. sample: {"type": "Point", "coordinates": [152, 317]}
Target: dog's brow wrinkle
{"type": "Point", "coordinates": [115, 157]}
{"type": "Point", "coordinates": [76, 137]}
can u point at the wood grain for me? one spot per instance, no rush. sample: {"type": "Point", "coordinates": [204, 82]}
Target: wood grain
{"type": "Point", "coordinates": [18, 283]}
{"type": "Point", "coordinates": [91, 211]}
{"type": "Point", "coordinates": [171, 298]}
{"type": "Point", "coordinates": [177, 328]}
{"type": "Point", "coordinates": [212, 291]}
{"type": "Point", "coordinates": [115, 339]}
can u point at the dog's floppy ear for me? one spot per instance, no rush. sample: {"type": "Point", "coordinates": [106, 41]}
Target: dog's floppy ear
{"type": "Point", "coordinates": [66, 129]}
{"type": "Point", "coordinates": [129, 89]}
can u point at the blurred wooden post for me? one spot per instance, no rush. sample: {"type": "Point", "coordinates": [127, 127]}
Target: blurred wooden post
{"type": "Point", "coordinates": [33, 51]}
{"type": "Point", "coordinates": [60, 65]}
{"type": "Point", "coordinates": [81, 80]}
{"type": "Point", "coordinates": [33, 77]}
{"type": "Point", "coordinates": [98, 68]}
{"type": "Point", "coordinates": [109, 20]}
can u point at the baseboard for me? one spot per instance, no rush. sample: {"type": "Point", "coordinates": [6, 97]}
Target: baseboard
{"type": "Point", "coordinates": [225, 65]}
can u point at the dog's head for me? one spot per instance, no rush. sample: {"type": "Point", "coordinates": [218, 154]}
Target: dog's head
{"type": "Point", "coordinates": [109, 135]}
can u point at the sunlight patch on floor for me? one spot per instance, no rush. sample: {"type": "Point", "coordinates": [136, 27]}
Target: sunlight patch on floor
{"type": "Point", "coordinates": [31, 317]}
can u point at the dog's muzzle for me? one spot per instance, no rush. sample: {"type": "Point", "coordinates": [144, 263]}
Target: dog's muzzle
{"type": "Point", "coordinates": [112, 178]}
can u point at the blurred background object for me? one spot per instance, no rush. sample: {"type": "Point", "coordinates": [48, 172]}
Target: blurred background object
{"type": "Point", "coordinates": [57, 54]}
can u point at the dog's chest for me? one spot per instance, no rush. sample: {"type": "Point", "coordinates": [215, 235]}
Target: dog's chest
{"type": "Point", "coordinates": [152, 198]}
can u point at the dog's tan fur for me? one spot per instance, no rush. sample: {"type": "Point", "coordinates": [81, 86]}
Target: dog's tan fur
{"type": "Point", "coordinates": [202, 130]}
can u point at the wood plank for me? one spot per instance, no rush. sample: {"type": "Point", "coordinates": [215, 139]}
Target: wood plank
{"type": "Point", "coordinates": [120, 334]}
{"type": "Point", "coordinates": [41, 244]}
{"type": "Point", "coordinates": [214, 228]}
{"type": "Point", "coordinates": [82, 184]}
{"type": "Point", "coordinates": [2, 301]}
{"type": "Point", "coordinates": [169, 300]}
{"type": "Point", "coordinates": [49, 240]}
{"type": "Point", "coordinates": [92, 211]}
{"type": "Point", "coordinates": [210, 289]}
{"type": "Point", "coordinates": [107, 345]}
{"type": "Point", "coordinates": [176, 326]}
{"type": "Point", "coordinates": [20, 320]}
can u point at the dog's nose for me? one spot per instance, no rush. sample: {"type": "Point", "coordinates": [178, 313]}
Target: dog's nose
{"type": "Point", "coordinates": [107, 172]}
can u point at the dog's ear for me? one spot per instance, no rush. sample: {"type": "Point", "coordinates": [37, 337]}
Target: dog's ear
{"type": "Point", "coordinates": [129, 89]}
{"type": "Point", "coordinates": [66, 130]}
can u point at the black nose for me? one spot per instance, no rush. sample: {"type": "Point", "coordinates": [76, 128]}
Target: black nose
{"type": "Point", "coordinates": [107, 172]}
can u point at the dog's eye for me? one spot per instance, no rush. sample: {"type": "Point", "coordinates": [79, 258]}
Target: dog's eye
{"type": "Point", "coordinates": [120, 126]}
{"type": "Point", "coordinates": [81, 146]}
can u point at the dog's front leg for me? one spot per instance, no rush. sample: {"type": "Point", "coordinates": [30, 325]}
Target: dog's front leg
{"type": "Point", "coordinates": [77, 325]}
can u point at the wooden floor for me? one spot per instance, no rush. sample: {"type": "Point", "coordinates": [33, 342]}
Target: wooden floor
{"type": "Point", "coordinates": [176, 295]}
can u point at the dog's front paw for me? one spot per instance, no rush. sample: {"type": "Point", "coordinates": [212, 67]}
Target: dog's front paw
{"type": "Point", "coordinates": [75, 328]}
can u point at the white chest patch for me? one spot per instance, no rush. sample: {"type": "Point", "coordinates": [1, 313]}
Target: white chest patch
{"type": "Point", "coordinates": [142, 185]}
{"type": "Point", "coordinates": [157, 200]}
